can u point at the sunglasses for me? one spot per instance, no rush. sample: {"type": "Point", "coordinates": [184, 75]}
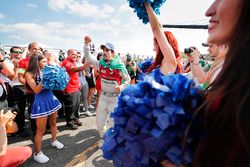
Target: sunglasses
{"type": "Point", "coordinates": [17, 51]}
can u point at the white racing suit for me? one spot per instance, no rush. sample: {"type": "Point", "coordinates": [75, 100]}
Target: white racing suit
{"type": "Point", "coordinates": [110, 77]}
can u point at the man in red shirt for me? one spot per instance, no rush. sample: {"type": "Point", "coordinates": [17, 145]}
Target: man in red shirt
{"type": "Point", "coordinates": [72, 91]}
{"type": "Point", "coordinates": [24, 63]}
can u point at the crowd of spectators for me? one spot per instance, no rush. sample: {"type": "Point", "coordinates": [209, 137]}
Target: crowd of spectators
{"type": "Point", "coordinates": [84, 89]}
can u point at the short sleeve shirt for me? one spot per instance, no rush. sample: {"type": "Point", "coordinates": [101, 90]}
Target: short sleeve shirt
{"type": "Point", "coordinates": [73, 84]}
{"type": "Point", "coordinates": [23, 67]}
{"type": "Point", "coordinates": [24, 63]}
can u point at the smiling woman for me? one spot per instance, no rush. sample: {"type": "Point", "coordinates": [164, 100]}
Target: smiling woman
{"type": "Point", "coordinates": [227, 113]}
{"type": "Point", "coordinates": [222, 22]}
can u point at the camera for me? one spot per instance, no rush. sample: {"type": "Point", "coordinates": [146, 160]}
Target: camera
{"type": "Point", "coordinates": [61, 56]}
{"type": "Point", "coordinates": [12, 109]}
{"type": "Point", "coordinates": [188, 50]}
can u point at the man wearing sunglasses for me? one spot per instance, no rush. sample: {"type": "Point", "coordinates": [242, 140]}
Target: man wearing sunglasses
{"type": "Point", "coordinates": [18, 91]}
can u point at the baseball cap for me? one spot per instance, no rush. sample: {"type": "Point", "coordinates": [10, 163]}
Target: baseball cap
{"type": "Point", "coordinates": [109, 46]}
{"type": "Point", "coordinates": [205, 44]}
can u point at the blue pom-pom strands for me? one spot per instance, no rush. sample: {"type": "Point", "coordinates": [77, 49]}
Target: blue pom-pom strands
{"type": "Point", "coordinates": [54, 77]}
{"type": "Point", "coordinates": [144, 67]}
{"type": "Point", "coordinates": [140, 10]}
{"type": "Point", "coordinates": [150, 122]}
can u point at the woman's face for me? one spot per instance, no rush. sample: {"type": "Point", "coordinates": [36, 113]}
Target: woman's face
{"type": "Point", "coordinates": [223, 15]}
{"type": "Point", "coordinates": [42, 63]}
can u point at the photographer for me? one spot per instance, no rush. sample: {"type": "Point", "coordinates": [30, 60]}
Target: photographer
{"type": "Point", "coordinates": [131, 67]}
{"type": "Point", "coordinates": [13, 156]}
{"type": "Point", "coordinates": [217, 52]}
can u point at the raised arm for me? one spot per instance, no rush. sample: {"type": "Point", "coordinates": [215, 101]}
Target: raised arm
{"type": "Point", "coordinates": [165, 47]}
{"type": "Point", "coordinates": [196, 69]}
{"type": "Point", "coordinates": [86, 51]}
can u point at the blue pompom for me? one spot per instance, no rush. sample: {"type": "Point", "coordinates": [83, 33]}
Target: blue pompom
{"type": "Point", "coordinates": [140, 10]}
{"type": "Point", "coordinates": [144, 67]}
{"type": "Point", "coordinates": [54, 77]}
{"type": "Point", "coordinates": [150, 122]}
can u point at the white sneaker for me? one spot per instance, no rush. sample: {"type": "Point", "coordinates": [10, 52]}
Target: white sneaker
{"type": "Point", "coordinates": [41, 158]}
{"type": "Point", "coordinates": [57, 144]}
{"type": "Point", "coordinates": [88, 113]}
{"type": "Point", "coordinates": [91, 106]}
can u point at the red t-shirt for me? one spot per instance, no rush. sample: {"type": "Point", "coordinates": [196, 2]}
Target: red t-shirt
{"type": "Point", "coordinates": [24, 63]}
{"type": "Point", "coordinates": [74, 83]}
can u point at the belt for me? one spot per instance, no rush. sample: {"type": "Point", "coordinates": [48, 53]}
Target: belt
{"type": "Point", "coordinates": [110, 94]}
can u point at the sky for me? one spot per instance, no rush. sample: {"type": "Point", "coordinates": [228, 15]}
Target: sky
{"type": "Point", "coordinates": [62, 24]}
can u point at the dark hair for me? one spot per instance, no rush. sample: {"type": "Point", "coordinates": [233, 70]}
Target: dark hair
{"type": "Point", "coordinates": [44, 51]}
{"type": "Point", "coordinates": [12, 48]}
{"type": "Point", "coordinates": [99, 56]}
{"type": "Point", "coordinates": [34, 63]}
{"type": "Point", "coordinates": [227, 126]}
{"type": "Point", "coordinates": [83, 60]}
{"type": "Point", "coordinates": [159, 56]}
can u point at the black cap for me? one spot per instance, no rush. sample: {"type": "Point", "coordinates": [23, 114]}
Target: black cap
{"type": "Point", "coordinates": [205, 44]}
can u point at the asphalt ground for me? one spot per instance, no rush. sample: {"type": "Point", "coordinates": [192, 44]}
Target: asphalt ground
{"type": "Point", "coordinates": [81, 146]}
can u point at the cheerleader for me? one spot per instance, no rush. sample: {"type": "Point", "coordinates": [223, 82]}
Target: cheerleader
{"type": "Point", "coordinates": [44, 107]}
